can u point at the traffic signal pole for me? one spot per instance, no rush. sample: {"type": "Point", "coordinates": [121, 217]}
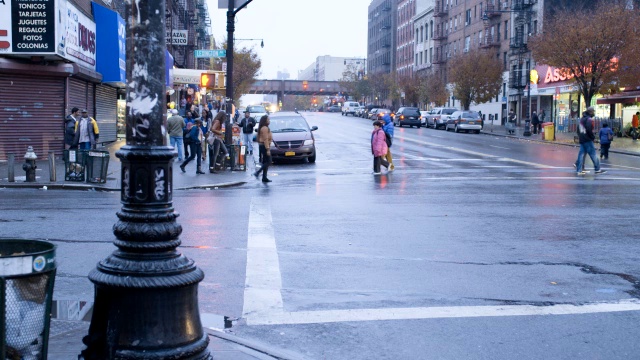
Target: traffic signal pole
{"type": "Point", "coordinates": [231, 27]}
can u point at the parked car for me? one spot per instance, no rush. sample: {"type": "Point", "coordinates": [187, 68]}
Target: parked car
{"type": "Point", "coordinates": [334, 108]}
{"type": "Point", "coordinates": [350, 107]}
{"type": "Point", "coordinates": [407, 116]}
{"type": "Point", "coordinates": [367, 110]}
{"type": "Point", "coordinates": [292, 137]}
{"type": "Point", "coordinates": [464, 121]}
{"type": "Point", "coordinates": [371, 115]}
{"type": "Point", "coordinates": [380, 113]}
{"type": "Point", "coordinates": [437, 117]}
{"type": "Point", "coordinates": [423, 118]}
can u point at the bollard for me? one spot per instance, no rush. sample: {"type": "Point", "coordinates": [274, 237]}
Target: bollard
{"type": "Point", "coordinates": [11, 175]}
{"type": "Point", "coordinates": [52, 166]}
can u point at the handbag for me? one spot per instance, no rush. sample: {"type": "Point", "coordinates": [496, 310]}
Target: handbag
{"type": "Point", "coordinates": [210, 138]}
{"type": "Point", "coordinates": [610, 136]}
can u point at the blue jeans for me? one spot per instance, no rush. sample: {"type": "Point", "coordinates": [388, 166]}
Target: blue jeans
{"type": "Point", "coordinates": [84, 146]}
{"type": "Point", "coordinates": [590, 149]}
{"type": "Point", "coordinates": [176, 142]}
{"type": "Point", "coordinates": [247, 140]}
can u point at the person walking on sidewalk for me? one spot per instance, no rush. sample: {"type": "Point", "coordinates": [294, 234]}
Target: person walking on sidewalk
{"type": "Point", "coordinates": [606, 137]}
{"type": "Point", "coordinates": [70, 127]}
{"type": "Point", "coordinates": [185, 132]}
{"type": "Point", "coordinates": [214, 139]}
{"type": "Point", "coordinates": [264, 139]}
{"type": "Point", "coordinates": [174, 126]}
{"type": "Point", "coordinates": [378, 147]}
{"type": "Point", "coordinates": [247, 123]}
{"type": "Point", "coordinates": [388, 130]}
{"type": "Point", "coordinates": [86, 132]}
{"type": "Point", "coordinates": [586, 138]}
{"type": "Point", "coordinates": [195, 141]}
{"type": "Point", "coordinates": [535, 121]}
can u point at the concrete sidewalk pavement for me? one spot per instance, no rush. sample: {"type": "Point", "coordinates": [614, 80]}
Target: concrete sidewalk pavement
{"type": "Point", "coordinates": [65, 343]}
{"type": "Point", "coordinates": [620, 145]}
{"type": "Point", "coordinates": [181, 181]}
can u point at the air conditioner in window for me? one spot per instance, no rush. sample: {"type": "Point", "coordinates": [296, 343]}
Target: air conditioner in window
{"type": "Point", "coordinates": [505, 5]}
{"type": "Point", "coordinates": [466, 50]}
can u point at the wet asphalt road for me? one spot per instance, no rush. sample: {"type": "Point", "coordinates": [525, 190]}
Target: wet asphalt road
{"type": "Point", "coordinates": [465, 222]}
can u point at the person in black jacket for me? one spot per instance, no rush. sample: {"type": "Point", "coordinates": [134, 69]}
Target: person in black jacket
{"type": "Point", "coordinates": [70, 127]}
{"type": "Point", "coordinates": [586, 138]}
{"type": "Point", "coordinates": [247, 124]}
{"type": "Point", "coordinates": [535, 121]}
{"type": "Point", "coordinates": [195, 140]}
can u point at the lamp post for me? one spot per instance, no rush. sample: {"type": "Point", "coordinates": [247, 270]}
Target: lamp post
{"type": "Point", "coordinates": [146, 292]}
{"type": "Point", "coordinates": [231, 27]}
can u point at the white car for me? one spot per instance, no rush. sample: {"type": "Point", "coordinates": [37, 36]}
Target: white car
{"type": "Point", "coordinates": [256, 112]}
{"type": "Point", "coordinates": [350, 107]}
{"type": "Point", "coordinates": [423, 118]}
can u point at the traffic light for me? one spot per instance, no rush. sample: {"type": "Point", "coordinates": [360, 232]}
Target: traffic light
{"type": "Point", "coordinates": [305, 84]}
{"type": "Point", "coordinates": [220, 83]}
{"type": "Point", "coordinates": [207, 80]}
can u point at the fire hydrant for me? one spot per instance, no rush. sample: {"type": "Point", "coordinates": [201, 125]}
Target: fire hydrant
{"type": "Point", "coordinates": [29, 165]}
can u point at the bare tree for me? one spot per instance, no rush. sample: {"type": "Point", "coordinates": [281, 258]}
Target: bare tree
{"type": "Point", "coordinates": [588, 45]}
{"type": "Point", "coordinates": [476, 77]}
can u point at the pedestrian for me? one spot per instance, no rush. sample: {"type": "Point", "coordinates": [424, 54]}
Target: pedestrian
{"type": "Point", "coordinates": [634, 125]}
{"type": "Point", "coordinates": [542, 116]}
{"type": "Point", "coordinates": [388, 131]}
{"type": "Point", "coordinates": [86, 132]}
{"type": "Point", "coordinates": [535, 121]}
{"type": "Point", "coordinates": [195, 136]}
{"type": "Point", "coordinates": [175, 124]}
{"type": "Point", "coordinates": [70, 127]}
{"type": "Point", "coordinates": [214, 139]}
{"type": "Point", "coordinates": [188, 122]}
{"type": "Point", "coordinates": [183, 102]}
{"type": "Point", "coordinates": [606, 137]}
{"type": "Point", "coordinates": [247, 123]}
{"type": "Point", "coordinates": [264, 140]}
{"type": "Point", "coordinates": [586, 138]}
{"type": "Point", "coordinates": [378, 147]}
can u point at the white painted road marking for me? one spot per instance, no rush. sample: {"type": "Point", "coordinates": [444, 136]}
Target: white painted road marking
{"type": "Point", "coordinates": [263, 304]}
{"type": "Point", "coordinates": [499, 147]}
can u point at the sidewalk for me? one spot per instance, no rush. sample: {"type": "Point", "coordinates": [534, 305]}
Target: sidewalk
{"type": "Point", "coordinates": [181, 181]}
{"type": "Point", "coordinates": [65, 343]}
{"type": "Point", "coordinates": [620, 145]}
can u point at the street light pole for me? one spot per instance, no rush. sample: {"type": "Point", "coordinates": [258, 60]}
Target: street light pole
{"type": "Point", "coordinates": [231, 27]}
{"type": "Point", "coordinates": [146, 292]}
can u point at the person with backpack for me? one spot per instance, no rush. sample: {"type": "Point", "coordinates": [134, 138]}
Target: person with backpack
{"type": "Point", "coordinates": [586, 138]}
{"type": "Point", "coordinates": [379, 147]}
{"type": "Point", "coordinates": [606, 137]}
{"type": "Point", "coordinates": [388, 131]}
{"type": "Point", "coordinates": [195, 140]}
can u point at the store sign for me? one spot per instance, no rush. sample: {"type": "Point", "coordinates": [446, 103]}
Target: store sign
{"type": "Point", "coordinates": [180, 37]}
{"type": "Point", "coordinates": [186, 76]}
{"type": "Point", "coordinates": [77, 34]}
{"type": "Point", "coordinates": [27, 26]}
{"type": "Point", "coordinates": [47, 27]}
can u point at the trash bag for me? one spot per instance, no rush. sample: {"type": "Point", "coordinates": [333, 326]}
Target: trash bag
{"type": "Point", "coordinates": [24, 322]}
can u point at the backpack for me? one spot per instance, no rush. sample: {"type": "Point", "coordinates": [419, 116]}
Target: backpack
{"type": "Point", "coordinates": [388, 139]}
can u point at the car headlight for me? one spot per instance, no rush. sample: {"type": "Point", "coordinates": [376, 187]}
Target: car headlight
{"type": "Point", "coordinates": [308, 142]}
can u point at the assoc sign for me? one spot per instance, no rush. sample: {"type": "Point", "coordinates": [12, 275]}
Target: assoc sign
{"type": "Point", "coordinates": [180, 37]}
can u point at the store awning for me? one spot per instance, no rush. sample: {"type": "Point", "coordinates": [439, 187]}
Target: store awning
{"type": "Point", "coordinates": [627, 97]}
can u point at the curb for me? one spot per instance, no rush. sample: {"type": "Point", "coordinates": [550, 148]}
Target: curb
{"type": "Point", "coordinates": [80, 187]}
{"type": "Point", "coordinates": [615, 151]}
{"type": "Point", "coordinates": [212, 186]}
{"type": "Point", "coordinates": [255, 346]}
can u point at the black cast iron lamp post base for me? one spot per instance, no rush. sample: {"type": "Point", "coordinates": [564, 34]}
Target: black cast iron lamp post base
{"type": "Point", "coordinates": [146, 292]}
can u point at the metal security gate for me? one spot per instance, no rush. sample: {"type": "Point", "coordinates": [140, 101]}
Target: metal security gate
{"type": "Point", "coordinates": [32, 114]}
{"type": "Point", "coordinates": [106, 112]}
{"type": "Point", "coordinates": [78, 95]}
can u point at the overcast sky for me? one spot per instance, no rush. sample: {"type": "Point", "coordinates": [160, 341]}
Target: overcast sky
{"type": "Point", "coordinates": [295, 32]}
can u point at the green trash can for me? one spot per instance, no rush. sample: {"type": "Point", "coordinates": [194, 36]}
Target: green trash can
{"type": "Point", "coordinates": [97, 162]}
{"type": "Point", "coordinates": [74, 165]}
{"type": "Point", "coordinates": [27, 274]}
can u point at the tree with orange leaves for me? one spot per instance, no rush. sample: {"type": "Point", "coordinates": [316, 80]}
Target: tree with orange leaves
{"type": "Point", "coordinates": [476, 77]}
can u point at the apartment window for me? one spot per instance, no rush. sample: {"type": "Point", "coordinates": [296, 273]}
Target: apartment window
{"type": "Point", "coordinates": [426, 32]}
{"type": "Point", "coordinates": [420, 57]}
{"type": "Point", "coordinates": [535, 27]}
{"type": "Point", "coordinates": [504, 59]}
{"type": "Point", "coordinates": [498, 39]}
{"type": "Point", "coordinates": [468, 18]}
{"type": "Point", "coordinates": [467, 43]}
{"type": "Point", "coordinates": [492, 33]}
{"type": "Point", "coordinates": [431, 27]}
{"type": "Point", "coordinates": [416, 59]}
{"type": "Point", "coordinates": [431, 55]}
{"type": "Point", "coordinates": [506, 29]}
{"type": "Point", "coordinates": [417, 34]}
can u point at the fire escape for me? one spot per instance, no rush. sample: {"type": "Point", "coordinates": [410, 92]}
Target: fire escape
{"type": "Point", "coordinates": [440, 35]}
{"type": "Point", "coordinates": [518, 77]}
{"type": "Point", "coordinates": [492, 17]}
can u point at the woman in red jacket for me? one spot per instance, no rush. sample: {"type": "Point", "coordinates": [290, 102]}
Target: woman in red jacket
{"type": "Point", "coordinates": [378, 147]}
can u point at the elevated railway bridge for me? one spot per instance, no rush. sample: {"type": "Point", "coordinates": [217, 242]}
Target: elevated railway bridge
{"type": "Point", "coordinates": [296, 87]}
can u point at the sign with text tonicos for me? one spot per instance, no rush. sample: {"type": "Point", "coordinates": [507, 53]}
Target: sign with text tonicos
{"type": "Point", "coordinates": [47, 27]}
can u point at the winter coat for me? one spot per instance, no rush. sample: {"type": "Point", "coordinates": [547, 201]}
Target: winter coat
{"type": "Point", "coordinates": [92, 130]}
{"type": "Point", "coordinates": [69, 129]}
{"type": "Point", "coordinates": [388, 125]}
{"type": "Point", "coordinates": [247, 125]}
{"type": "Point", "coordinates": [535, 120]}
{"type": "Point", "coordinates": [195, 135]}
{"type": "Point", "coordinates": [604, 135]}
{"type": "Point", "coordinates": [379, 143]}
{"type": "Point", "coordinates": [174, 126]}
{"type": "Point", "coordinates": [585, 129]}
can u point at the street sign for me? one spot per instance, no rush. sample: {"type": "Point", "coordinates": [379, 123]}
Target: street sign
{"type": "Point", "coordinates": [219, 53]}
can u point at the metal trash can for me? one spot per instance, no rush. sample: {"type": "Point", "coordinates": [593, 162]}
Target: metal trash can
{"type": "Point", "coordinates": [27, 274]}
{"type": "Point", "coordinates": [74, 165]}
{"type": "Point", "coordinates": [97, 164]}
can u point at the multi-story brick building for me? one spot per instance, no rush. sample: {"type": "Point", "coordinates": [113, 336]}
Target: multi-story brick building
{"type": "Point", "coordinates": [405, 37]}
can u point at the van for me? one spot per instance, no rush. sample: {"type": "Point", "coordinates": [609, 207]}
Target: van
{"type": "Point", "coordinates": [350, 107]}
